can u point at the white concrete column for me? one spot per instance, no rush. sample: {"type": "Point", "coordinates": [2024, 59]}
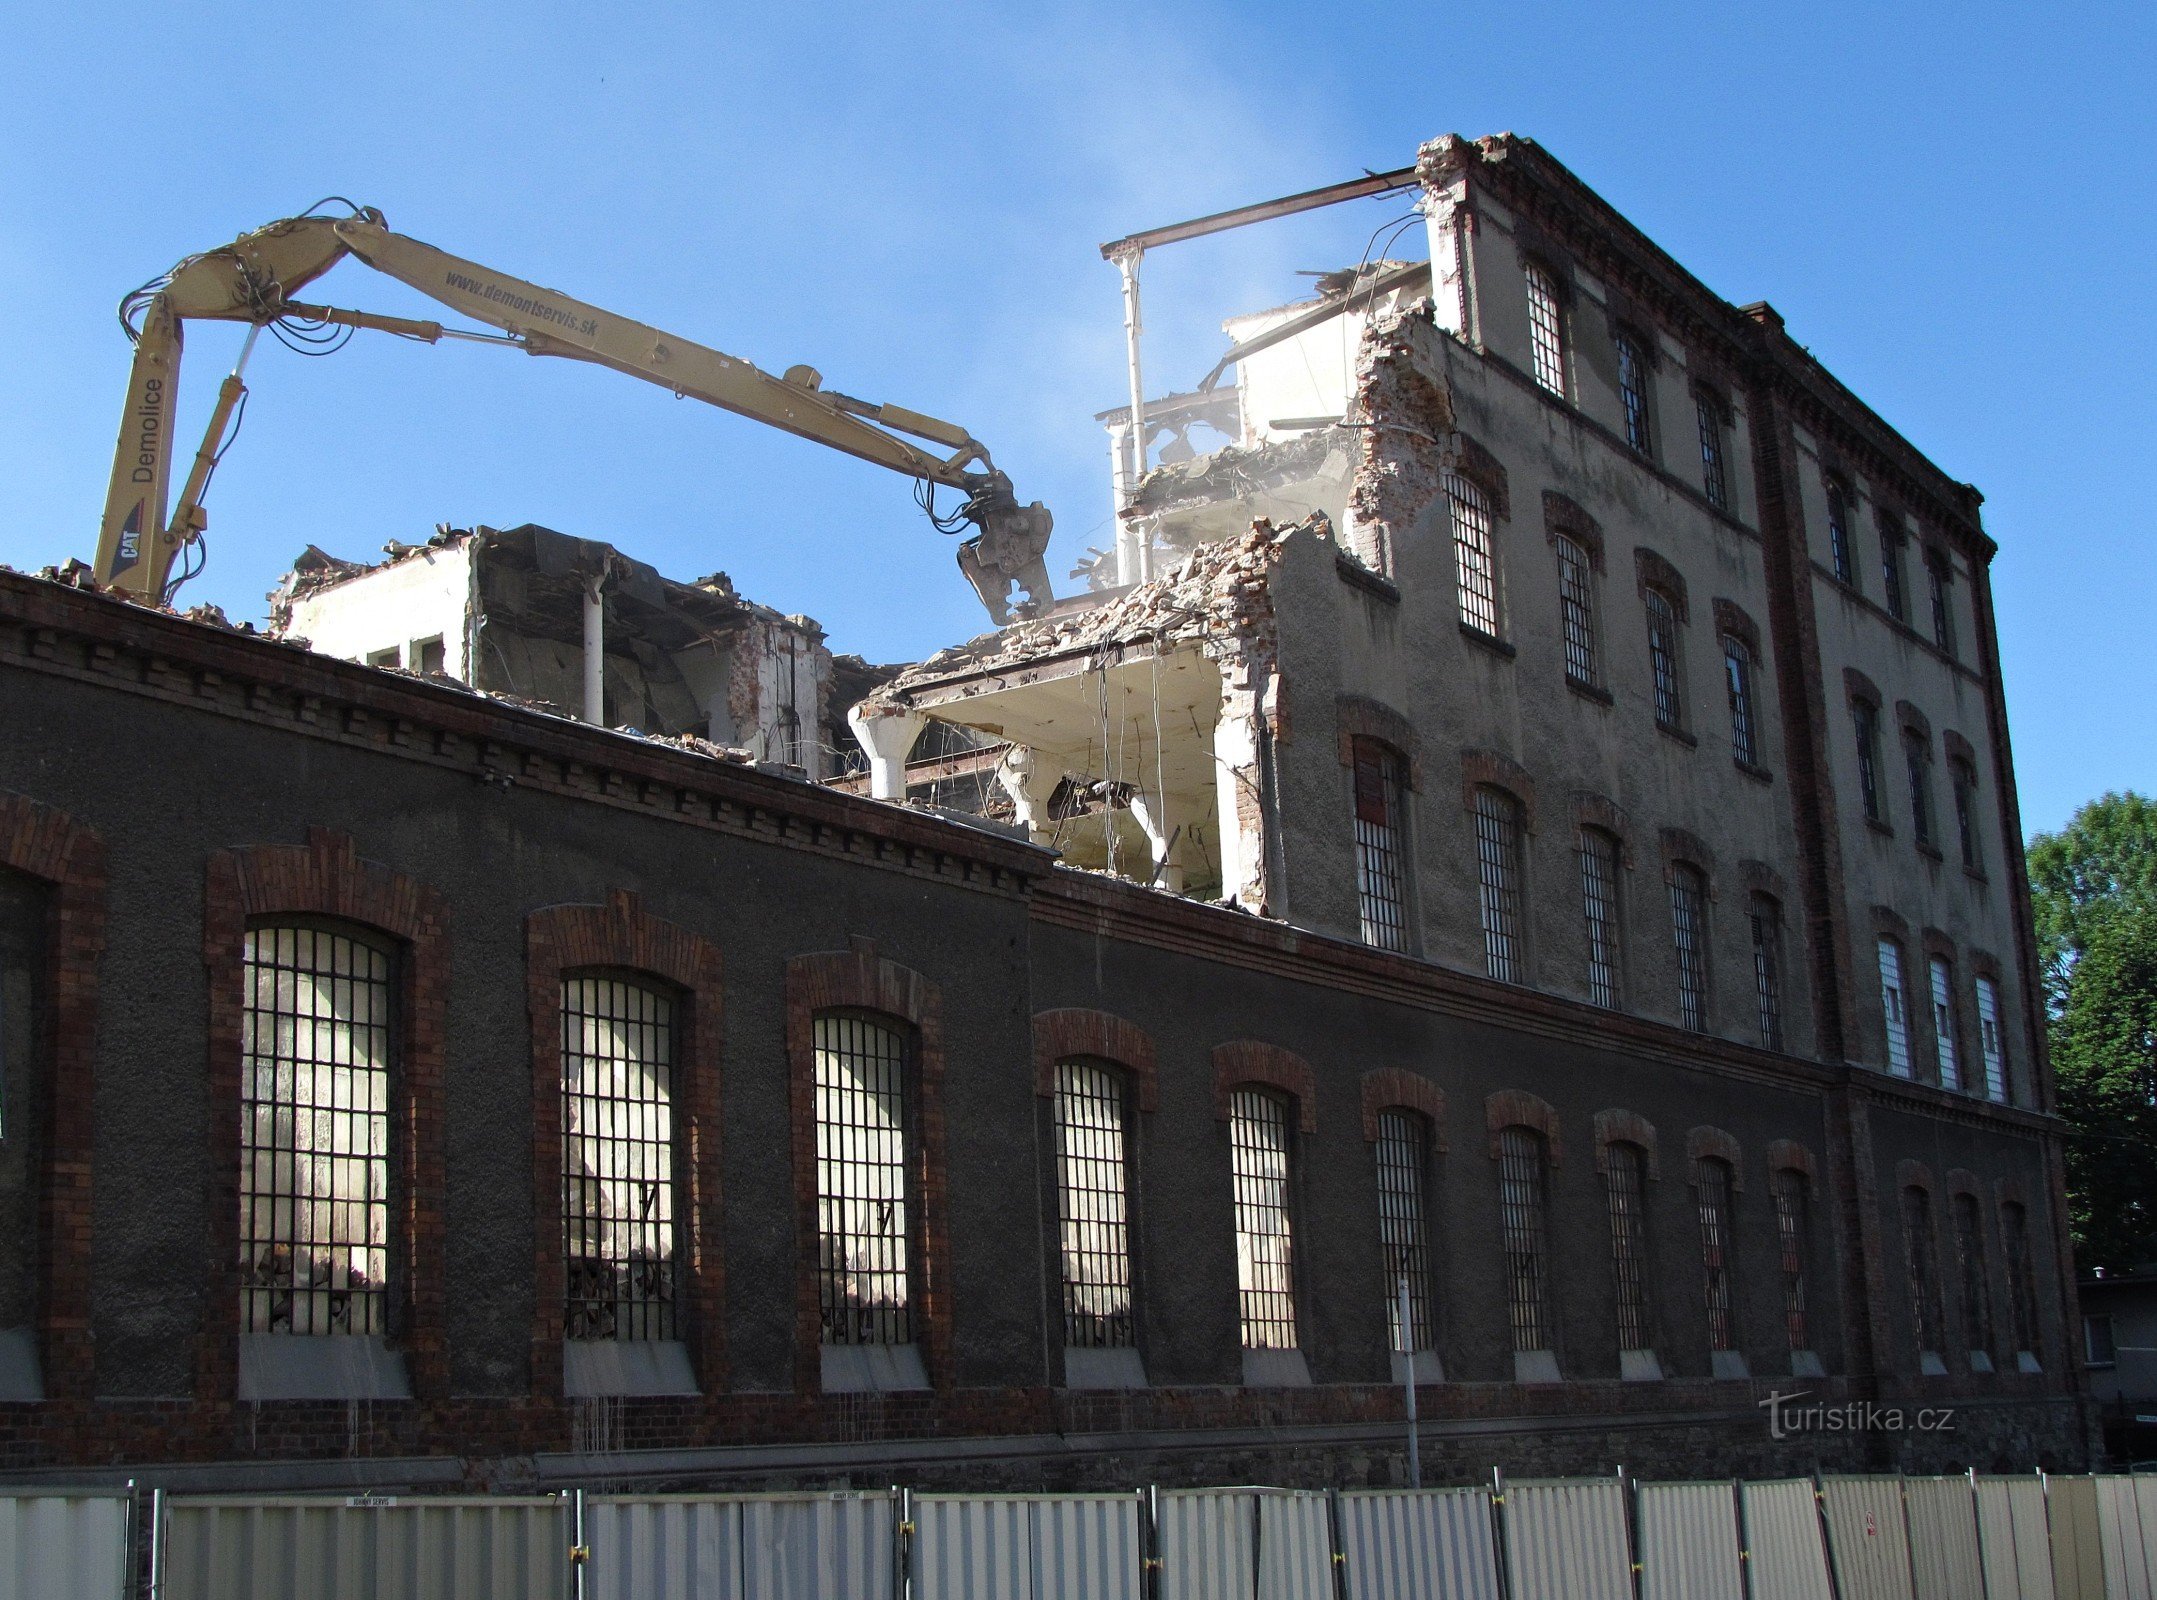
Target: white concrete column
{"type": "Point", "coordinates": [888, 734]}
{"type": "Point", "coordinates": [1021, 776]}
{"type": "Point", "coordinates": [1238, 793]}
{"type": "Point", "coordinates": [1152, 819]}
{"type": "Point", "coordinates": [595, 650]}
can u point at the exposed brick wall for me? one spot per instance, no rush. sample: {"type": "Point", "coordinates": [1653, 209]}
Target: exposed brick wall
{"type": "Point", "coordinates": [1618, 1126]}
{"type": "Point", "coordinates": [1509, 1108]}
{"type": "Point", "coordinates": [1562, 514]}
{"type": "Point", "coordinates": [1652, 571]}
{"type": "Point", "coordinates": [61, 852]}
{"type": "Point", "coordinates": [1735, 620]}
{"type": "Point", "coordinates": [620, 935]}
{"type": "Point", "coordinates": [1243, 1061]}
{"type": "Point", "coordinates": [1360, 717]}
{"type": "Point", "coordinates": [1076, 1031]}
{"type": "Point", "coordinates": [326, 878]}
{"type": "Point", "coordinates": [1387, 1087]}
{"type": "Point", "coordinates": [859, 979]}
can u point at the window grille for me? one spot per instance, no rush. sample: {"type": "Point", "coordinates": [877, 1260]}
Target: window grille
{"type": "Point", "coordinates": [863, 1197]}
{"type": "Point", "coordinates": [1623, 1176]}
{"type": "Point", "coordinates": [2021, 1281]}
{"type": "Point", "coordinates": [621, 1198]}
{"type": "Point", "coordinates": [1970, 1261]}
{"type": "Point", "coordinates": [1920, 762]}
{"type": "Point", "coordinates": [1576, 612]}
{"type": "Point", "coordinates": [1092, 1192]}
{"type": "Point", "coordinates": [1663, 660]}
{"type": "Point", "coordinates": [1965, 782]}
{"type": "Point", "coordinates": [1599, 901]}
{"type": "Point", "coordinates": [1711, 1184]}
{"type": "Point", "coordinates": [1497, 844]}
{"type": "Point", "coordinates": [1793, 1226]}
{"type": "Point", "coordinates": [314, 1134]}
{"type": "Point", "coordinates": [1891, 1007]}
{"type": "Point", "coordinates": [1688, 929]}
{"type": "Point", "coordinates": [1265, 1263]}
{"type": "Point", "coordinates": [1520, 1194]}
{"type": "Point", "coordinates": [1381, 886]}
{"type": "Point", "coordinates": [1838, 535]}
{"type": "Point", "coordinates": [1923, 1268]}
{"type": "Point", "coordinates": [1633, 394]}
{"type": "Point", "coordinates": [1766, 919]}
{"type": "Point", "coordinates": [1989, 1040]}
{"type": "Point", "coordinates": [1714, 481]}
{"type": "Point", "coordinates": [1546, 337]}
{"type": "Point", "coordinates": [1891, 540]}
{"type": "Point", "coordinates": [1473, 553]}
{"type": "Point", "coordinates": [1943, 1024]}
{"type": "Point", "coordinates": [1938, 576]}
{"type": "Point", "coordinates": [1865, 717]}
{"type": "Point", "coordinates": [1738, 674]}
{"type": "Point", "coordinates": [1404, 1228]}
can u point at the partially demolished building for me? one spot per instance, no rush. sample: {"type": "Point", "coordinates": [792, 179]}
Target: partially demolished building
{"type": "Point", "coordinates": [1511, 879]}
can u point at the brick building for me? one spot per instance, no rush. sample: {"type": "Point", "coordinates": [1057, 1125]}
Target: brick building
{"type": "Point", "coordinates": [1514, 867]}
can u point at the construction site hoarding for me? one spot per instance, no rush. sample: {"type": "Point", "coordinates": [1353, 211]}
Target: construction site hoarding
{"type": "Point", "coordinates": [1944, 1560]}
{"type": "Point", "coordinates": [1026, 1547]}
{"type": "Point", "coordinates": [1567, 1541]}
{"type": "Point", "coordinates": [2078, 1557]}
{"type": "Point", "coordinates": [1409, 1544]}
{"type": "Point", "coordinates": [1687, 1535]}
{"type": "Point", "coordinates": [1785, 1553]}
{"type": "Point", "coordinates": [63, 1546]}
{"type": "Point", "coordinates": [1868, 1537]}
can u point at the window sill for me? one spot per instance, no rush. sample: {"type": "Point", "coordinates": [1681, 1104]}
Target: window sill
{"type": "Point", "coordinates": [1679, 734]}
{"type": "Point", "coordinates": [1589, 691]}
{"type": "Point", "coordinates": [1752, 770]}
{"type": "Point", "coordinates": [1975, 874]}
{"type": "Point", "coordinates": [1487, 641]}
{"type": "Point", "coordinates": [1357, 576]}
{"type": "Point", "coordinates": [1931, 852]}
{"type": "Point", "coordinates": [1879, 827]}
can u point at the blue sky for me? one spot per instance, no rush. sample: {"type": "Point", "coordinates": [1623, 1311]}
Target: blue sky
{"type": "Point", "coordinates": [1952, 206]}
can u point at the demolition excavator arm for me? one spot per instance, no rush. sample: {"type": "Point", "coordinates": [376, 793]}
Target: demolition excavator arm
{"type": "Point", "coordinates": [253, 280]}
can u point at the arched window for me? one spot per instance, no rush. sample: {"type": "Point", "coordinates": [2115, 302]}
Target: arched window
{"type": "Point", "coordinates": [1689, 936]}
{"type": "Point", "coordinates": [315, 1131]}
{"type": "Point", "coordinates": [1633, 394]}
{"type": "Point", "coordinates": [1990, 1040]}
{"type": "Point", "coordinates": [1923, 1266]}
{"type": "Point", "coordinates": [1712, 1185]}
{"type": "Point", "coordinates": [1865, 720]}
{"type": "Point", "coordinates": [1838, 534]}
{"type": "Point", "coordinates": [1976, 1291]}
{"type": "Point", "coordinates": [1546, 329]}
{"type": "Point", "coordinates": [1404, 1227]}
{"type": "Point", "coordinates": [621, 1183]}
{"type": "Point", "coordinates": [1892, 540]}
{"type": "Point", "coordinates": [2021, 1278]}
{"type": "Point", "coordinates": [1939, 580]}
{"type": "Point", "coordinates": [1258, 1139]}
{"type": "Point", "coordinates": [1599, 905]}
{"type": "Point", "coordinates": [1093, 1204]}
{"type": "Point", "coordinates": [1946, 1056]}
{"type": "Point", "coordinates": [864, 1198]}
{"type": "Point", "coordinates": [1709, 412]}
{"type": "Point", "coordinates": [1475, 558]}
{"type": "Point", "coordinates": [1964, 779]}
{"type": "Point", "coordinates": [1625, 1186]}
{"type": "Point", "coordinates": [1663, 661]}
{"type": "Point", "coordinates": [1523, 1166]}
{"type": "Point", "coordinates": [1744, 720]}
{"type": "Point", "coordinates": [1793, 1228]}
{"type": "Point", "coordinates": [1765, 918]}
{"type": "Point", "coordinates": [1894, 1006]}
{"type": "Point", "coordinates": [1576, 610]}
{"type": "Point", "coordinates": [1497, 842]}
{"type": "Point", "coordinates": [1381, 795]}
{"type": "Point", "coordinates": [1917, 750]}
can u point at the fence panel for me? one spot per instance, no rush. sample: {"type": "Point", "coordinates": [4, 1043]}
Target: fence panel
{"type": "Point", "coordinates": [663, 1547]}
{"type": "Point", "coordinates": [2120, 1530]}
{"type": "Point", "coordinates": [2012, 1538]}
{"type": "Point", "coordinates": [806, 1546]}
{"type": "Point", "coordinates": [1784, 1553]}
{"type": "Point", "coordinates": [1689, 1542]}
{"type": "Point", "coordinates": [227, 1548]}
{"type": "Point", "coordinates": [1295, 1546]}
{"type": "Point", "coordinates": [1867, 1537]}
{"type": "Point", "coordinates": [1944, 1563]}
{"type": "Point", "coordinates": [973, 1547]}
{"type": "Point", "coordinates": [2078, 1557]}
{"type": "Point", "coordinates": [1086, 1547]}
{"type": "Point", "coordinates": [1567, 1541]}
{"type": "Point", "coordinates": [1208, 1544]}
{"type": "Point", "coordinates": [1418, 1544]}
{"type": "Point", "coordinates": [62, 1546]}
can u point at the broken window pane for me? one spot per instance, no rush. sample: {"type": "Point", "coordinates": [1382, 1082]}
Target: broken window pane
{"type": "Point", "coordinates": [1474, 556]}
{"type": "Point", "coordinates": [1403, 1227]}
{"type": "Point", "coordinates": [1265, 1266]}
{"type": "Point", "coordinates": [864, 1246]}
{"type": "Point", "coordinates": [1624, 1176]}
{"type": "Point", "coordinates": [1093, 1205]}
{"type": "Point", "coordinates": [1381, 861]}
{"type": "Point", "coordinates": [1497, 841]}
{"type": "Point", "coordinates": [621, 1196]}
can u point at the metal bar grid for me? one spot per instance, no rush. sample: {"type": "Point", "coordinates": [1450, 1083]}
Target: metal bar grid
{"type": "Point", "coordinates": [1989, 1042]}
{"type": "Point", "coordinates": [314, 1134]}
{"type": "Point", "coordinates": [1965, 785]}
{"type": "Point", "coordinates": [1970, 1265]}
{"type": "Point", "coordinates": [1546, 337]}
{"type": "Point", "coordinates": [1623, 1174]}
{"type": "Point", "coordinates": [1092, 1205]}
{"type": "Point", "coordinates": [1793, 1224]}
{"type": "Point", "coordinates": [1891, 1007]}
{"type": "Point", "coordinates": [1599, 903]}
{"type": "Point", "coordinates": [1381, 891]}
{"type": "Point", "coordinates": [1937, 578]}
{"type": "Point", "coordinates": [1404, 1227]}
{"type": "Point", "coordinates": [1891, 541]}
{"type": "Point", "coordinates": [1866, 720]}
{"type": "Point", "coordinates": [1688, 903]}
{"type": "Point", "coordinates": [1633, 393]}
{"type": "Point", "coordinates": [1497, 848]}
{"type": "Point", "coordinates": [1744, 724]}
{"type": "Point", "coordinates": [1576, 612]}
{"type": "Point", "coordinates": [1711, 1187]}
{"type": "Point", "coordinates": [2021, 1283]}
{"type": "Point", "coordinates": [1663, 660]}
{"type": "Point", "coordinates": [1945, 1053]}
{"type": "Point", "coordinates": [1473, 554]}
{"type": "Point", "coordinates": [1265, 1264]}
{"type": "Point", "coordinates": [1838, 535]}
{"type": "Point", "coordinates": [1765, 917]}
{"type": "Point", "coordinates": [864, 1237]}
{"type": "Point", "coordinates": [1920, 763]}
{"type": "Point", "coordinates": [1520, 1197]}
{"type": "Point", "coordinates": [1923, 1268]}
{"type": "Point", "coordinates": [1714, 480]}
{"type": "Point", "coordinates": [621, 1199]}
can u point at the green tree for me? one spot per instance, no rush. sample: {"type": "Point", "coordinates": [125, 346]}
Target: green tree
{"type": "Point", "coordinates": [2094, 891]}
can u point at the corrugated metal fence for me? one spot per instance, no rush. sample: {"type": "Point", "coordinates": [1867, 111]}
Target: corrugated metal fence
{"type": "Point", "coordinates": [1832, 1538]}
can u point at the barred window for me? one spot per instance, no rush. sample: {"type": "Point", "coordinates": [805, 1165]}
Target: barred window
{"type": "Point", "coordinates": [1381, 857]}
{"type": "Point", "coordinates": [1738, 676]}
{"type": "Point", "coordinates": [1766, 918]}
{"type": "Point", "coordinates": [1990, 1041]}
{"type": "Point", "coordinates": [1865, 718]}
{"type": "Point", "coordinates": [621, 1198]}
{"type": "Point", "coordinates": [1793, 1227]}
{"type": "Point", "coordinates": [1939, 575]}
{"type": "Point", "coordinates": [864, 1200]}
{"type": "Point", "coordinates": [1624, 1178]}
{"type": "Point", "coordinates": [1497, 845]}
{"type": "Point", "coordinates": [1599, 903]}
{"type": "Point", "coordinates": [1633, 394]}
{"type": "Point", "coordinates": [1404, 1227]}
{"type": "Point", "coordinates": [1714, 480]}
{"type": "Point", "coordinates": [1970, 1261]}
{"type": "Point", "coordinates": [1891, 1006]}
{"type": "Point", "coordinates": [1265, 1262]}
{"type": "Point", "coordinates": [1965, 785]}
{"type": "Point", "coordinates": [1689, 933]}
{"type": "Point", "coordinates": [1093, 1204]}
{"type": "Point", "coordinates": [1891, 543]}
{"type": "Point", "coordinates": [1663, 661]}
{"type": "Point", "coordinates": [1546, 337]}
{"type": "Point", "coordinates": [314, 1133]}
{"type": "Point", "coordinates": [1945, 1054]}
{"type": "Point", "coordinates": [2021, 1280]}
{"type": "Point", "coordinates": [1919, 1261]}
{"type": "Point", "coordinates": [1919, 758]}
{"type": "Point", "coordinates": [1712, 1187]}
{"type": "Point", "coordinates": [1576, 611]}
{"type": "Point", "coordinates": [1838, 534]}
{"type": "Point", "coordinates": [1521, 1186]}
{"type": "Point", "coordinates": [1474, 554]}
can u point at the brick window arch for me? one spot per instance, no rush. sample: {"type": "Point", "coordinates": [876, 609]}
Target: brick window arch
{"type": "Point", "coordinates": [1248, 1061]}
